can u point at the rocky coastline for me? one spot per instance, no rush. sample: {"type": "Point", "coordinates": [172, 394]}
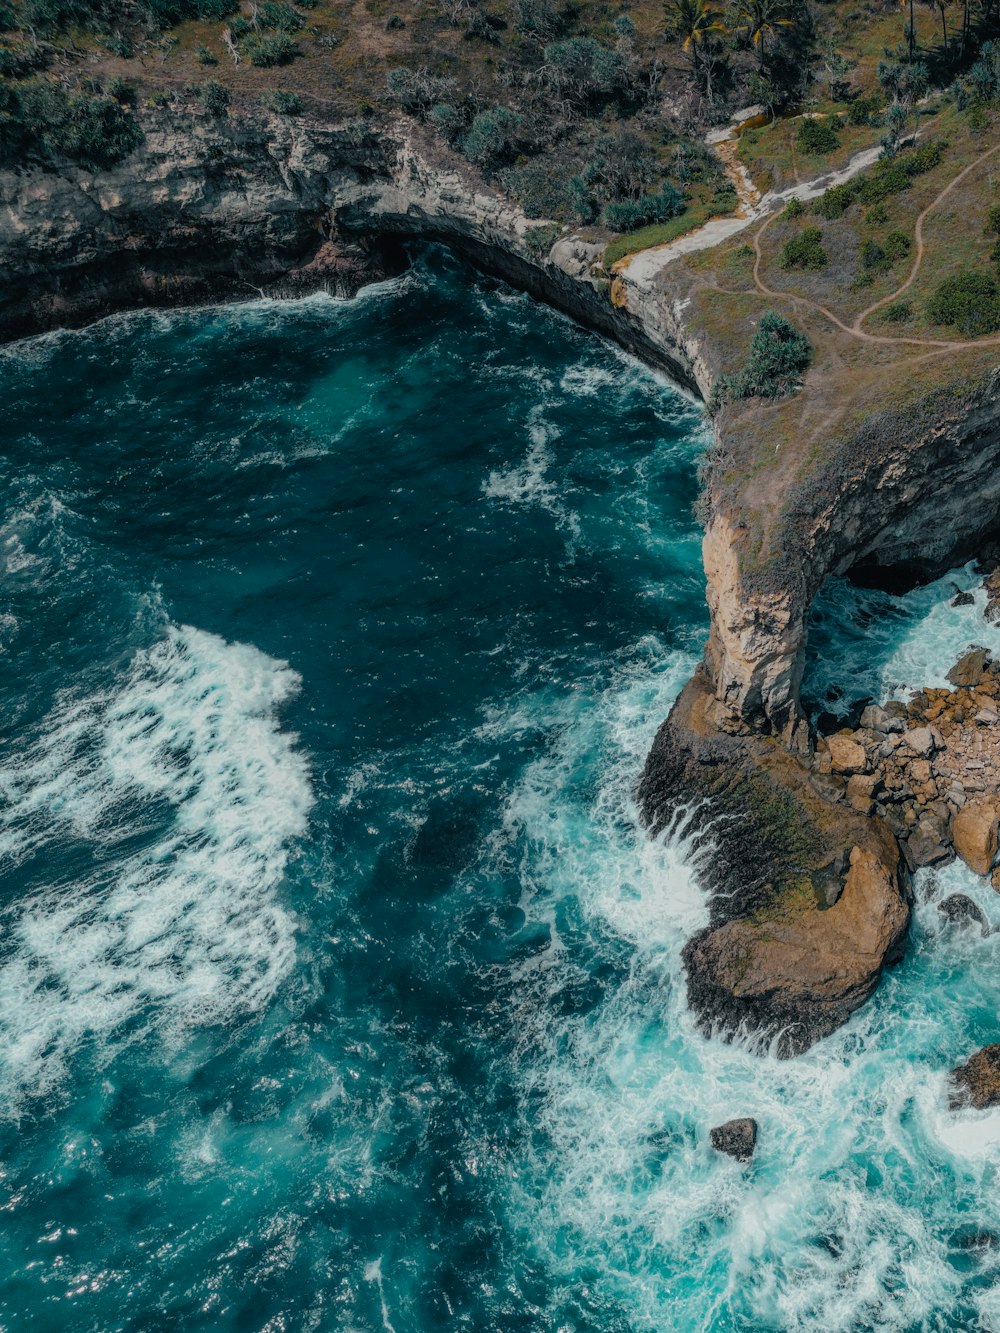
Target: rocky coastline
{"type": "Point", "coordinates": [816, 838]}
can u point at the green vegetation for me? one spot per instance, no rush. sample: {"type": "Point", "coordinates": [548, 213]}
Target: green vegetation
{"type": "Point", "coordinates": [42, 120]}
{"type": "Point", "coordinates": [818, 136]}
{"type": "Point", "coordinates": [630, 214]}
{"type": "Point", "coordinates": [968, 301]}
{"type": "Point", "coordinates": [283, 102]}
{"type": "Point", "coordinates": [216, 99]}
{"type": "Point", "coordinates": [899, 312]}
{"type": "Point", "coordinates": [891, 176]}
{"type": "Point", "coordinates": [779, 357]}
{"type": "Point", "coordinates": [540, 240]}
{"type": "Point", "coordinates": [805, 250]}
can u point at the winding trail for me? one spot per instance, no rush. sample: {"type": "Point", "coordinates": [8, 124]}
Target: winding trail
{"type": "Point", "coordinates": [642, 267]}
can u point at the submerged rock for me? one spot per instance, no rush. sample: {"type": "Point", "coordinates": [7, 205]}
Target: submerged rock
{"type": "Point", "coordinates": [960, 910]}
{"type": "Point", "coordinates": [977, 1082]}
{"type": "Point", "coordinates": [974, 833]}
{"type": "Point", "coordinates": [737, 1138]}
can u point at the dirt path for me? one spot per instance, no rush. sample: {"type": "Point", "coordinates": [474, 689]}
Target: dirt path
{"type": "Point", "coordinates": [854, 330]}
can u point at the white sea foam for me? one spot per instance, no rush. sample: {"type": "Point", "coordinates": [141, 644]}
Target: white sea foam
{"type": "Point", "coordinates": [842, 1222]}
{"type": "Point", "coordinates": [187, 928]}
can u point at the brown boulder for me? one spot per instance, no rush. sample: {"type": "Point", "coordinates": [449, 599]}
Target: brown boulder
{"type": "Point", "coordinates": [977, 1082]}
{"type": "Point", "coordinates": [738, 1138]}
{"type": "Point", "coordinates": [970, 669]}
{"type": "Point", "coordinates": [974, 833]}
{"type": "Point", "coordinates": [846, 754]}
{"type": "Point", "coordinates": [808, 969]}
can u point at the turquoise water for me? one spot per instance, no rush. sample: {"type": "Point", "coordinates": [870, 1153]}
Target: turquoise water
{"type": "Point", "coordinates": [338, 987]}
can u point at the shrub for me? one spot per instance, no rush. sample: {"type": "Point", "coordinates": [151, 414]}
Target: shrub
{"type": "Point", "coordinates": [205, 55]}
{"type": "Point", "coordinates": [793, 209]}
{"type": "Point", "coordinates": [583, 69]}
{"type": "Point", "coordinates": [279, 16]}
{"type": "Point", "coordinates": [877, 215]}
{"type": "Point", "coordinates": [448, 120]}
{"type": "Point", "coordinates": [833, 203]}
{"type": "Point", "coordinates": [630, 214]}
{"type": "Point", "coordinates": [540, 240]}
{"type": "Point", "coordinates": [873, 257]}
{"type": "Point", "coordinates": [818, 136]}
{"type": "Point", "coordinates": [16, 62]}
{"type": "Point", "coordinates": [779, 356]}
{"type": "Point", "coordinates": [493, 137]}
{"type": "Point", "coordinates": [864, 111]}
{"type": "Point", "coordinates": [970, 301]}
{"type": "Point", "coordinates": [897, 246]}
{"type": "Point", "coordinates": [282, 102]}
{"type": "Point", "coordinates": [897, 313]}
{"type": "Point", "coordinates": [993, 221]}
{"type": "Point", "coordinates": [535, 18]}
{"type": "Point", "coordinates": [215, 99]}
{"type": "Point", "coordinates": [43, 118]}
{"type": "Point", "coordinates": [417, 90]}
{"type": "Point", "coordinates": [805, 250]}
{"type": "Point", "coordinates": [267, 49]}
{"type": "Point", "coordinates": [394, 23]}
{"type": "Point", "coordinates": [122, 91]}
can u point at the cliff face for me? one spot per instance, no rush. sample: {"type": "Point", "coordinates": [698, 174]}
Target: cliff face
{"type": "Point", "coordinates": [902, 499]}
{"type": "Point", "coordinates": [209, 209]}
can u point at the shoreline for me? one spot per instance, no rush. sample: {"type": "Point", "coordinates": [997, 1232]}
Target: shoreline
{"type": "Point", "coordinates": [317, 211]}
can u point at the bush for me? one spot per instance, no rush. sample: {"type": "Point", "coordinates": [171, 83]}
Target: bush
{"type": "Point", "coordinates": [873, 257]}
{"type": "Point", "coordinates": [279, 16]}
{"type": "Point", "coordinates": [584, 70]}
{"type": "Point", "coordinates": [793, 209]}
{"type": "Point", "coordinates": [215, 99]}
{"type": "Point", "coordinates": [540, 240]}
{"type": "Point", "coordinates": [282, 102]}
{"type": "Point", "coordinates": [890, 176]}
{"type": "Point", "coordinates": [448, 120]}
{"type": "Point", "coordinates": [993, 221]}
{"type": "Point", "coordinates": [970, 301]}
{"type": "Point", "coordinates": [17, 62]}
{"type": "Point", "coordinates": [864, 111]}
{"type": "Point", "coordinates": [205, 55]}
{"type": "Point", "coordinates": [833, 203]}
{"type": "Point", "coordinates": [535, 18]}
{"type": "Point", "coordinates": [818, 136]}
{"type": "Point", "coordinates": [122, 91]}
{"type": "Point", "coordinates": [897, 246]}
{"type": "Point", "coordinates": [897, 313]}
{"type": "Point", "coordinates": [417, 90]}
{"type": "Point", "coordinates": [805, 250]}
{"type": "Point", "coordinates": [266, 49]}
{"type": "Point", "coordinates": [493, 137]}
{"type": "Point", "coordinates": [630, 214]}
{"type": "Point", "coordinates": [779, 356]}
{"type": "Point", "coordinates": [44, 119]}
{"type": "Point", "coordinates": [877, 215]}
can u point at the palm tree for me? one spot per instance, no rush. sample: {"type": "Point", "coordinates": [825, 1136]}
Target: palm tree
{"type": "Point", "coordinates": [762, 19]}
{"type": "Point", "coordinates": [941, 6]}
{"type": "Point", "coordinates": [911, 32]}
{"type": "Point", "coordinates": [694, 21]}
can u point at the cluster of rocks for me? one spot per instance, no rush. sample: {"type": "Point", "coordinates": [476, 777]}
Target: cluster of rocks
{"type": "Point", "coordinates": [929, 768]}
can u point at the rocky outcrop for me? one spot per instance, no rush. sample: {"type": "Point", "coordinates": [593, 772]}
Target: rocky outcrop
{"type": "Point", "coordinates": [810, 897]}
{"type": "Point", "coordinates": [737, 1138]}
{"type": "Point", "coordinates": [930, 768]}
{"type": "Point", "coordinates": [977, 1082]}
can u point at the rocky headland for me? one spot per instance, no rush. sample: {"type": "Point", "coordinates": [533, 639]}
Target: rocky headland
{"type": "Point", "coordinates": [814, 839]}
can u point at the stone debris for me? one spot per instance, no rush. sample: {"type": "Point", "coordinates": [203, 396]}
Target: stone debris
{"type": "Point", "coordinates": [930, 768]}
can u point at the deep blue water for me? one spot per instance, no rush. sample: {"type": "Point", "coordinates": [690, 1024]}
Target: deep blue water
{"type": "Point", "coordinates": [338, 987]}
